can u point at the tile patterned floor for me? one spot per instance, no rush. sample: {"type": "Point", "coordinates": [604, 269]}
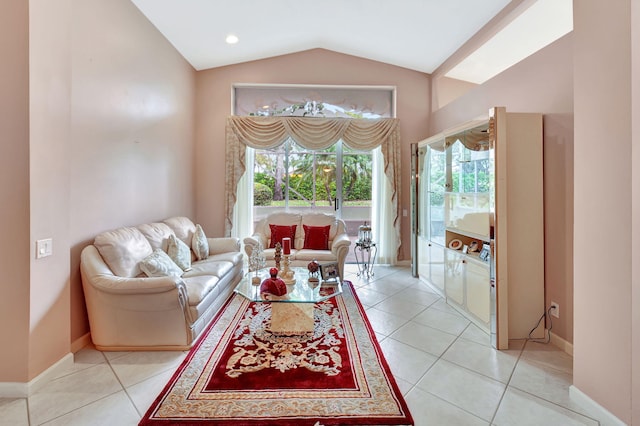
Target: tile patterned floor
{"type": "Point", "coordinates": [444, 365]}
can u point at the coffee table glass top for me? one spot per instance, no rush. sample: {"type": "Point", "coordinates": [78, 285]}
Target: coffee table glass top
{"type": "Point", "coordinates": [302, 291]}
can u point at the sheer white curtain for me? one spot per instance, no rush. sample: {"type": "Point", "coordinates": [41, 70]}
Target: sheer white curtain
{"type": "Point", "coordinates": [243, 210]}
{"type": "Point", "coordinates": [383, 213]}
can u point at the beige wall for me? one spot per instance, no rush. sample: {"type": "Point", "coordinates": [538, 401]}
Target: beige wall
{"type": "Point", "coordinates": [132, 148]}
{"type": "Point", "coordinates": [541, 83]}
{"type": "Point", "coordinates": [604, 249]}
{"type": "Point", "coordinates": [50, 86]}
{"type": "Point", "coordinates": [104, 138]}
{"type": "Point", "coordinates": [310, 67]}
{"type": "Point", "coordinates": [635, 236]}
{"type": "Point", "coordinates": [14, 189]}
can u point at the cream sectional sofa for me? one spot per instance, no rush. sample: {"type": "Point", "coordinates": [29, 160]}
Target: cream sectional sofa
{"type": "Point", "coordinates": [338, 240]}
{"type": "Point", "coordinates": [129, 310]}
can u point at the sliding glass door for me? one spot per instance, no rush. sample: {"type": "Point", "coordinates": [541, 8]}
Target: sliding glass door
{"type": "Point", "coordinates": [335, 180]}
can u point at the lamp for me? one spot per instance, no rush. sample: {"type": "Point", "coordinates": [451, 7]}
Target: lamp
{"type": "Point", "coordinates": [364, 233]}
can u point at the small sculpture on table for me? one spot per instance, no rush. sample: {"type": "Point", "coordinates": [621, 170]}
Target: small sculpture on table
{"type": "Point", "coordinates": [314, 268]}
{"type": "Point", "coordinates": [278, 254]}
{"type": "Point", "coordinates": [257, 261]}
{"type": "Point", "coordinates": [272, 286]}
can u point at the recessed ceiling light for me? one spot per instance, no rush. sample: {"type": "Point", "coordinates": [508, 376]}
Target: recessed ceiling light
{"type": "Point", "coordinates": [232, 39]}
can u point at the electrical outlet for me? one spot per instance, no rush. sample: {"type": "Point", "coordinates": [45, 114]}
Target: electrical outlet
{"type": "Point", "coordinates": [555, 309]}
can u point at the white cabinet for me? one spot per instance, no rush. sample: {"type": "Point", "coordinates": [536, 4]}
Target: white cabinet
{"type": "Point", "coordinates": [480, 185]}
{"type": "Point", "coordinates": [466, 287]}
{"type": "Point", "coordinates": [431, 266]}
{"type": "Point", "coordinates": [454, 278]}
{"type": "Point", "coordinates": [478, 296]}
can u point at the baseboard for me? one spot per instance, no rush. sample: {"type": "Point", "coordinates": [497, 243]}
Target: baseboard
{"type": "Point", "coordinates": [561, 343]}
{"type": "Point", "coordinates": [14, 390]}
{"type": "Point", "coordinates": [24, 390]}
{"type": "Point", "coordinates": [593, 408]}
{"type": "Point", "coordinates": [80, 343]}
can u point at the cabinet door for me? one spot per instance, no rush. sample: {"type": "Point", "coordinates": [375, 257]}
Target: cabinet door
{"type": "Point", "coordinates": [454, 277]}
{"type": "Point", "coordinates": [436, 181]}
{"type": "Point", "coordinates": [478, 291]}
{"type": "Point", "coordinates": [423, 258]}
{"type": "Point", "coordinates": [436, 265]}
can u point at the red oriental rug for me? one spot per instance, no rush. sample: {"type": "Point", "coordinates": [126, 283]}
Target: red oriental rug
{"type": "Point", "coordinates": [238, 373]}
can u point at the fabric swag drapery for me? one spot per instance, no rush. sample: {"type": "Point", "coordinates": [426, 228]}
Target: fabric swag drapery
{"type": "Point", "coordinates": [315, 134]}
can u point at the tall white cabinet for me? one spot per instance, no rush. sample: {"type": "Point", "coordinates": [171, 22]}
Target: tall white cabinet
{"type": "Point", "coordinates": [480, 225]}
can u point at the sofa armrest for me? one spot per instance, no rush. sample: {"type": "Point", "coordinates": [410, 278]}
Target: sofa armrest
{"type": "Point", "coordinates": [340, 241]}
{"type": "Point", "coordinates": [251, 243]}
{"type": "Point", "coordinates": [142, 285]}
{"type": "Point", "coordinates": [97, 274]}
{"type": "Point", "coordinates": [223, 245]}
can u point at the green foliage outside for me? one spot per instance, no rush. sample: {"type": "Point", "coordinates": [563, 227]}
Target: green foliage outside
{"type": "Point", "coordinates": [311, 179]}
{"type": "Point", "coordinates": [471, 176]}
{"type": "Point", "coordinates": [262, 195]}
{"type": "Point", "coordinates": [303, 190]}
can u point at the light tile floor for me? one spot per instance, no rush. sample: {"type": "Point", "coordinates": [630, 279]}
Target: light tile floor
{"type": "Point", "coordinates": [443, 363]}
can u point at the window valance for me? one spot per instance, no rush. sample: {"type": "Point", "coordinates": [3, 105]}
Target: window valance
{"type": "Point", "coordinates": [311, 133]}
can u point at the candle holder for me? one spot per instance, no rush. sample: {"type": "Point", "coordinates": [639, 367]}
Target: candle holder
{"type": "Point", "coordinates": [287, 275]}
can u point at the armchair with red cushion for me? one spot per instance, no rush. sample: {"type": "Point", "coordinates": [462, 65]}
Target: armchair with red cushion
{"type": "Point", "coordinates": [314, 236]}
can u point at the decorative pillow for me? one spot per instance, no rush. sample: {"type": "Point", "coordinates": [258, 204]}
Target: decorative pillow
{"type": "Point", "coordinates": [199, 243]}
{"type": "Point", "coordinates": [159, 264]}
{"type": "Point", "coordinates": [316, 237]}
{"type": "Point", "coordinates": [179, 252]}
{"type": "Point", "coordinates": [278, 232]}
{"type": "Point", "coordinates": [123, 249]}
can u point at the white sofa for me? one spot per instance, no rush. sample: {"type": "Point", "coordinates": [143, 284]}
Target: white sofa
{"type": "Point", "coordinates": [338, 240]}
{"type": "Point", "coordinates": [129, 310]}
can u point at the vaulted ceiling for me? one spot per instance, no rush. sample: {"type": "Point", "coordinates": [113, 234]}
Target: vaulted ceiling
{"type": "Point", "coordinates": [416, 34]}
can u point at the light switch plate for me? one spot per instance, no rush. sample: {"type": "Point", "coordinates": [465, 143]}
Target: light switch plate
{"type": "Point", "coordinates": [44, 248]}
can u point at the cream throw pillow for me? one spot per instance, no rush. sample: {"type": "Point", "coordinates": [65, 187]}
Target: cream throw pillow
{"type": "Point", "coordinates": [159, 264]}
{"type": "Point", "coordinates": [199, 244]}
{"type": "Point", "coordinates": [179, 252]}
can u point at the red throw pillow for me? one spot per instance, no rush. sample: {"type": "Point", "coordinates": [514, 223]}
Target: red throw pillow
{"type": "Point", "coordinates": [316, 237]}
{"type": "Point", "coordinates": [278, 232]}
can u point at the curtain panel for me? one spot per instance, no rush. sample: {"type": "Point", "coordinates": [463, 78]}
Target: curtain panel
{"type": "Point", "coordinates": [315, 134]}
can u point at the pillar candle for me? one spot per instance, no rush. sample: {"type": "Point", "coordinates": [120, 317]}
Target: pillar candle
{"type": "Point", "coordinates": [286, 245]}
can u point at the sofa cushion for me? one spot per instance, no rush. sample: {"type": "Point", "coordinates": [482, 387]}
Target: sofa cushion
{"type": "Point", "coordinates": [183, 228]}
{"type": "Point", "coordinates": [316, 237]}
{"type": "Point", "coordinates": [279, 218]}
{"type": "Point", "coordinates": [321, 219]}
{"type": "Point", "coordinates": [157, 234]}
{"type": "Point", "coordinates": [179, 252]}
{"type": "Point", "coordinates": [214, 268]}
{"type": "Point", "coordinates": [278, 232]}
{"type": "Point", "coordinates": [199, 243]}
{"type": "Point", "coordinates": [123, 249]}
{"type": "Point", "coordinates": [198, 287]}
{"type": "Point", "coordinates": [159, 264]}
{"type": "Point", "coordinates": [234, 257]}
{"type": "Point", "coordinates": [306, 255]}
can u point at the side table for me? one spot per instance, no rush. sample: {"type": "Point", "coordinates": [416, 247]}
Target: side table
{"type": "Point", "coordinates": [365, 253]}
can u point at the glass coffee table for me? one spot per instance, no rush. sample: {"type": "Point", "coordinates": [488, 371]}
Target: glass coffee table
{"type": "Point", "coordinates": [292, 313]}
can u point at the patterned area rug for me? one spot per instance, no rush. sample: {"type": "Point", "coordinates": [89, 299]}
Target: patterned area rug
{"type": "Point", "coordinates": [239, 373]}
